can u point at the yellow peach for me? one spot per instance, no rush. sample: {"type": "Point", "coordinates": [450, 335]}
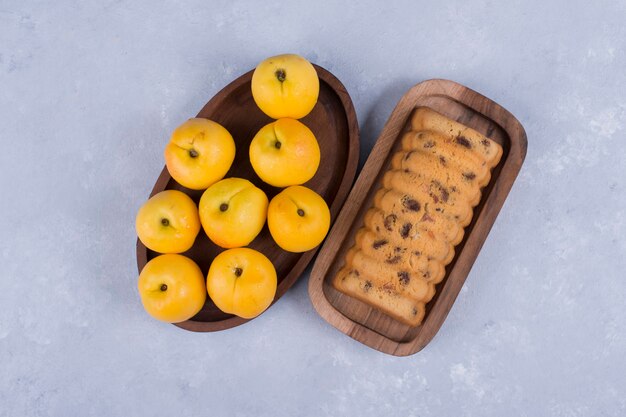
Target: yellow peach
{"type": "Point", "coordinates": [172, 288]}
{"type": "Point", "coordinates": [168, 222]}
{"type": "Point", "coordinates": [242, 281]}
{"type": "Point", "coordinates": [233, 212]}
{"type": "Point", "coordinates": [200, 153]}
{"type": "Point", "coordinates": [285, 152]}
{"type": "Point", "coordinates": [285, 86]}
{"type": "Point", "coordinates": [298, 219]}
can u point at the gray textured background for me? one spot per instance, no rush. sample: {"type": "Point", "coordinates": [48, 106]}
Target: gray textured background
{"type": "Point", "coordinates": [89, 93]}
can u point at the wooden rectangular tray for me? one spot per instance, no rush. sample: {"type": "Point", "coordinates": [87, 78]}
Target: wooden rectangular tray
{"type": "Point", "coordinates": [364, 323]}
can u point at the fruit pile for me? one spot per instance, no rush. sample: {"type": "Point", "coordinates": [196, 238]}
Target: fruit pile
{"type": "Point", "coordinates": [233, 211]}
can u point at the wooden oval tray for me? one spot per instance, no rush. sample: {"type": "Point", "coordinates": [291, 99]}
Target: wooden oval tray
{"type": "Point", "coordinates": [334, 123]}
{"type": "Point", "coordinates": [357, 319]}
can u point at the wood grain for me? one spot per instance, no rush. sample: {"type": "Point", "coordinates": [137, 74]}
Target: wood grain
{"type": "Point", "coordinates": [364, 323]}
{"type": "Point", "coordinates": [334, 123]}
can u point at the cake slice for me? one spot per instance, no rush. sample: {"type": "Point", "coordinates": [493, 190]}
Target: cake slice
{"type": "Point", "coordinates": [402, 309]}
{"type": "Point", "coordinates": [481, 174]}
{"type": "Point", "coordinates": [430, 167]}
{"type": "Point", "coordinates": [436, 195]}
{"type": "Point", "coordinates": [401, 258]}
{"type": "Point", "coordinates": [419, 253]}
{"type": "Point", "coordinates": [462, 136]}
{"type": "Point", "coordinates": [394, 202]}
{"type": "Point", "coordinates": [418, 235]}
{"type": "Point", "coordinates": [429, 140]}
{"type": "Point", "coordinates": [445, 149]}
{"type": "Point", "coordinates": [400, 280]}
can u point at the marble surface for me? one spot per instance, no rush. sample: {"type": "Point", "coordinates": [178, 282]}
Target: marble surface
{"type": "Point", "coordinates": [89, 93]}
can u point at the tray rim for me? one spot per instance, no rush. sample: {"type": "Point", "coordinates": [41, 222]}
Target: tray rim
{"type": "Point", "coordinates": [518, 143]}
{"type": "Point", "coordinates": [347, 179]}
